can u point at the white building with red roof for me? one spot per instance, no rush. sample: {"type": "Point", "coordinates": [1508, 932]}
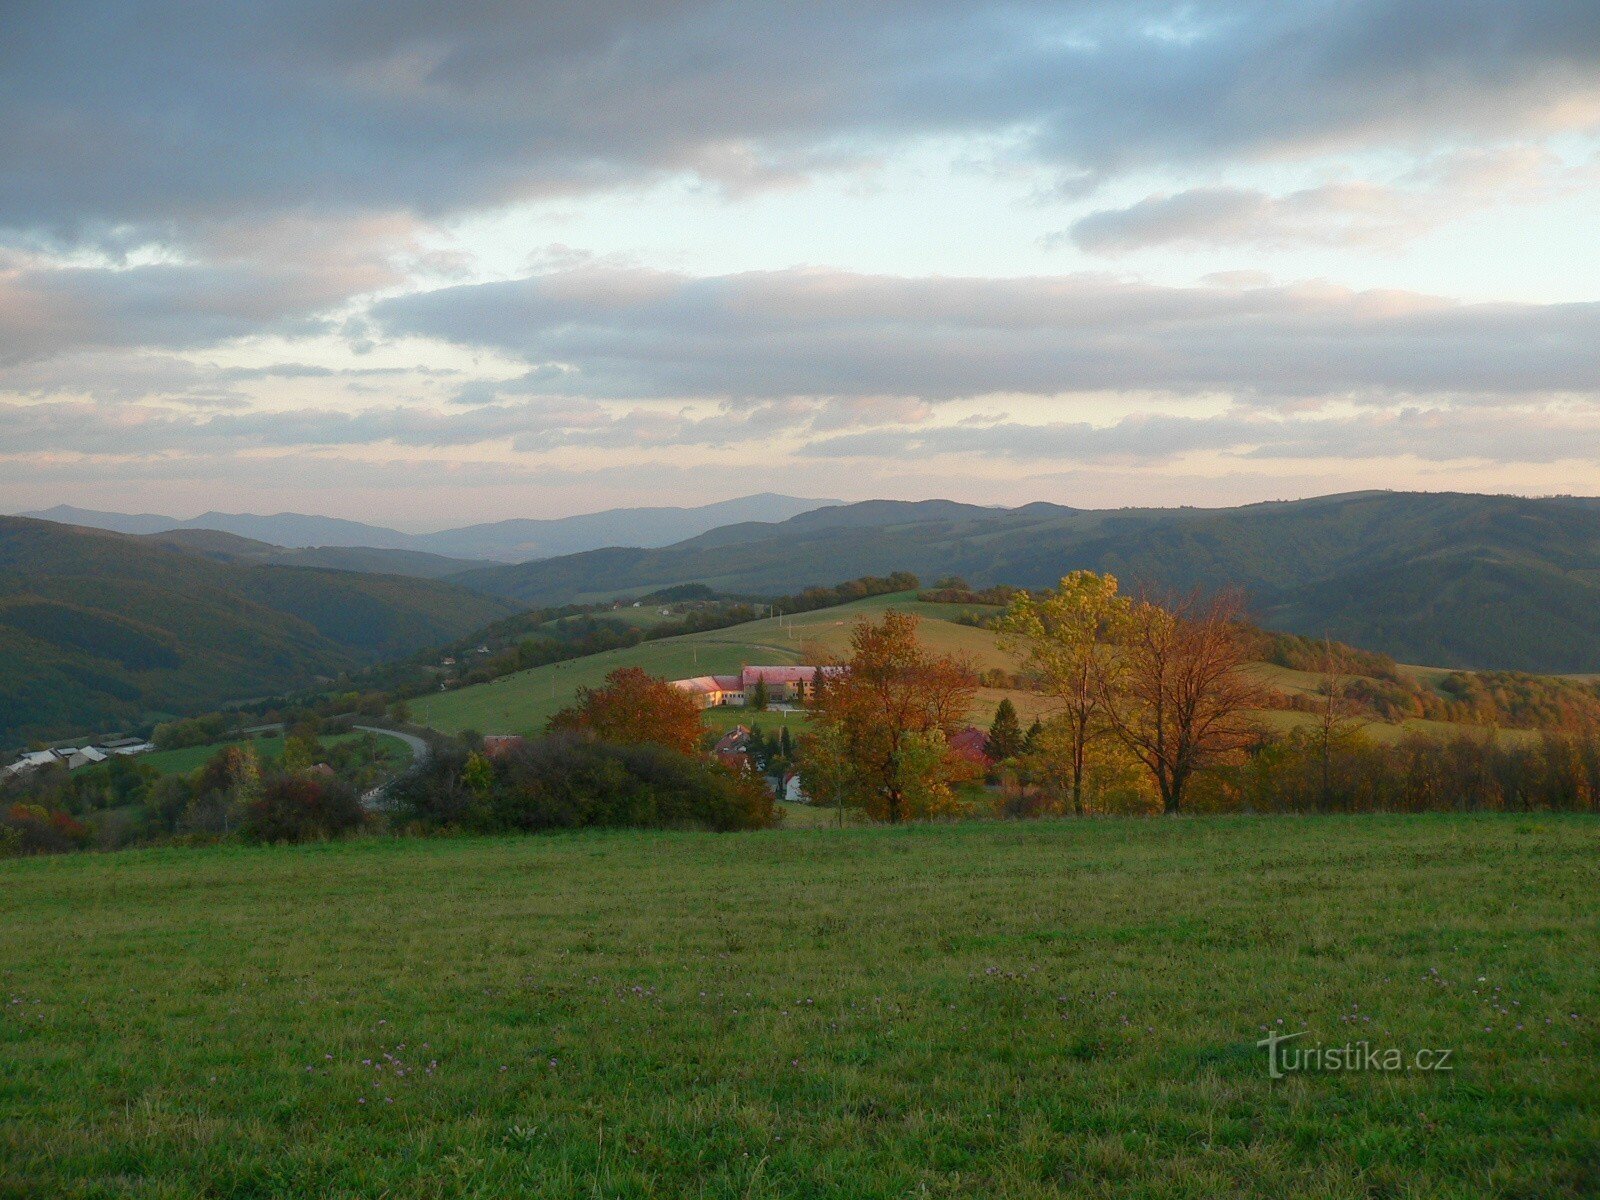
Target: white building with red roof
{"type": "Point", "coordinates": [783, 684]}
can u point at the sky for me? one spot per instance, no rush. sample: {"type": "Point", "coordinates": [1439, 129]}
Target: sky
{"type": "Point", "coordinates": [426, 264]}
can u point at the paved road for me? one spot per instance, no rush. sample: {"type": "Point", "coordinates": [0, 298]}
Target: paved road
{"type": "Point", "coordinates": [419, 755]}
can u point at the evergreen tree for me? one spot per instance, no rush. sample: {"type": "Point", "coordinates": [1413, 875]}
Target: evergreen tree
{"type": "Point", "coordinates": [1005, 733]}
{"type": "Point", "coordinates": [758, 696]}
{"type": "Point", "coordinates": [1030, 740]}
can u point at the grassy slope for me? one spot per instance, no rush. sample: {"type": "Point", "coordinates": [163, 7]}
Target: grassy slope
{"type": "Point", "coordinates": [524, 701]}
{"type": "Point", "coordinates": [100, 629]}
{"type": "Point", "coordinates": [978, 1010]}
{"type": "Point", "coordinates": [270, 749]}
{"type": "Point", "coordinates": [521, 703]}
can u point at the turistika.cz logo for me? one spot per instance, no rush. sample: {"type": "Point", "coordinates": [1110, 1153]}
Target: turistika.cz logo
{"type": "Point", "coordinates": [1284, 1058]}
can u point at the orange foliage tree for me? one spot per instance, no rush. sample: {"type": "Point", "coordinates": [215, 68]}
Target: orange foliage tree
{"type": "Point", "coordinates": [882, 723]}
{"type": "Point", "coordinates": [635, 707]}
{"type": "Point", "coordinates": [1175, 692]}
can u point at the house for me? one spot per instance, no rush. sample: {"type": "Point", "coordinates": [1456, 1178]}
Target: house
{"type": "Point", "coordinates": [737, 738]}
{"type": "Point", "coordinates": [971, 744]}
{"type": "Point", "coordinates": [712, 691]}
{"type": "Point", "coordinates": [130, 746]}
{"type": "Point", "coordinates": [792, 791]}
{"type": "Point", "coordinates": [784, 685]}
{"type": "Point", "coordinates": [733, 749]}
{"type": "Point", "coordinates": [31, 761]}
{"type": "Point", "coordinates": [85, 757]}
{"type": "Point", "coordinates": [497, 744]}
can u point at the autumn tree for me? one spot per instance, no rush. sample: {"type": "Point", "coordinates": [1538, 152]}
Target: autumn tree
{"type": "Point", "coordinates": [633, 708]}
{"type": "Point", "coordinates": [1175, 692]}
{"type": "Point", "coordinates": [1063, 638]}
{"type": "Point", "coordinates": [881, 724]}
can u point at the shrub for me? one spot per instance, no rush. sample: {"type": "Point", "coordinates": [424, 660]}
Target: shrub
{"type": "Point", "coordinates": [34, 829]}
{"type": "Point", "coordinates": [567, 781]}
{"type": "Point", "coordinates": [302, 808]}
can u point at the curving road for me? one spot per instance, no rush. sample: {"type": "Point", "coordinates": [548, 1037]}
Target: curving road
{"type": "Point", "coordinates": [373, 798]}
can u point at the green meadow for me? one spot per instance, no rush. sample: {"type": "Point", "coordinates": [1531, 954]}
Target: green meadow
{"type": "Point", "coordinates": [985, 1009]}
{"type": "Point", "coordinates": [523, 702]}
{"type": "Point", "coordinates": [269, 748]}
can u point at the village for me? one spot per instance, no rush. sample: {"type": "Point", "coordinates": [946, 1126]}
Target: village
{"type": "Point", "coordinates": [763, 687]}
{"type": "Point", "coordinates": [74, 757]}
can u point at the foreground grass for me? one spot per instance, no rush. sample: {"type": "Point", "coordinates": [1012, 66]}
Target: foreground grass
{"type": "Point", "coordinates": [976, 1010]}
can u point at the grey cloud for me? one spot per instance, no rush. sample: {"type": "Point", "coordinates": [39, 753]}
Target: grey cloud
{"type": "Point", "coordinates": [170, 112]}
{"type": "Point", "coordinates": [1434, 435]}
{"type": "Point", "coordinates": [86, 428]}
{"type": "Point", "coordinates": [630, 334]}
{"type": "Point", "coordinates": [1332, 215]}
{"type": "Point", "coordinates": [1350, 213]}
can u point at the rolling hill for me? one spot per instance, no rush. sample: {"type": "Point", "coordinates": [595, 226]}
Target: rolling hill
{"type": "Point", "coordinates": [1448, 578]}
{"type": "Point", "coordinates": [101, 629]}
{"type": "Point", "coordinates": [230, 547]}
{"type": "Point", "coordinates": [524, 701]}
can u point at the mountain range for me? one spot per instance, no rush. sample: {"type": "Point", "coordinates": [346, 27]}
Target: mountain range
{"type": "Point", "coordinates": [1446, 578]}
{"type": "Point", "coordinates": [100, 628]}
{"type": "Point", "coordinates": [512, 540]}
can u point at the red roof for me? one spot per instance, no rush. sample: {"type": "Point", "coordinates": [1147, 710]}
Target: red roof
{"type": "Point", "coordinates": [735, 739]}
{"type": "Point", "coordinates": [971, 742]}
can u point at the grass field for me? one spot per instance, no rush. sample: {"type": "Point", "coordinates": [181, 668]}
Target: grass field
{"type": "Point", "coordinates": [270, 749]}
{"type": "Point", "coordinates": [523, 702]}
{"type": "Point", "coordinates": [972, 1010]}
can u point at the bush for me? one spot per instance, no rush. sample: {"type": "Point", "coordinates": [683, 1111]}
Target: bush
{"type": "Point", "coordinates": [34, 829]}
{"type": "Point", "coordinates": [567, 781]}
{"type": "Point", "coordinates": [302, 808]}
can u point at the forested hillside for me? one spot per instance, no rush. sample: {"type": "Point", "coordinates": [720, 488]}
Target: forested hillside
{"type": "Point", "coordinates": [100, 628]}
{"type": "Point", "coordinates": [1452, 579]}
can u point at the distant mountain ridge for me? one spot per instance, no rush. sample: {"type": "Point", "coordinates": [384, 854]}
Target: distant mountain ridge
{"type": "Point", "coordinates": [230, 547]}
{"type": "Point", "coordinates": [512, 540]}
{"type": "Point", "coordinates": [1453, 579]}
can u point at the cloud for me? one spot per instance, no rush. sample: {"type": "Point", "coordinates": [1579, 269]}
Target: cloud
{"type": "Point", "coordinates": [1432, 435]}
{"type": "Point", "coordinates": [1351, 213]}
{"type": "Point", "coordinates": [180, 113]}
{"type": "Point", "coordinates": [612, 333]}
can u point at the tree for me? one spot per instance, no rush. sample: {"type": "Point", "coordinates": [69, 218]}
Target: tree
{"type": "Point", "coordinates": [299, 808]}
{"type": "Point", "coordinates": [301, 751]}
{"type": "Point", "coordinates": [1064, 638]}
{"type": "Point", "coordinates": [758, 696]}
{"type": "Point", "coordinates": [1175, 693]}
{"type": "Point", "coordinates": [478, 775]}
{"type": "Point", "coordinates": [1005, 732]}
{"type": "Point", "coordinates": [1337, 713]}
{"type": "Point", "coordinates": [881, 724]}
{"type": "Point", "coordinates": [635, 708]}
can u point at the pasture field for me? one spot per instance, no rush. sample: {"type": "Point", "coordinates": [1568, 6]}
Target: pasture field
{"type": "Point", "coordinates": [270, 749]}
{"type": "Point", "coordinates": [523, 702]}
{"type": "Point", "coordinates": [984, 1009]}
